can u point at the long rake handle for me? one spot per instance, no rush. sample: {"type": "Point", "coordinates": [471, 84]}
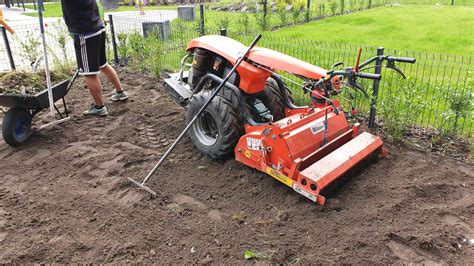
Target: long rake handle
{"type": "Point", "coordinates": [46, 60]}
{"type": "Point", "coordinates": [186, 129]}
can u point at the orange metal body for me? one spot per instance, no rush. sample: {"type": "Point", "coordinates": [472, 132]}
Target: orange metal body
{"type": "Point", "coordinates": [291, 150]}
{"type": "Point", "coordinates": [311, 147]}
{"type": "Point", "coordinates": [252, 78]}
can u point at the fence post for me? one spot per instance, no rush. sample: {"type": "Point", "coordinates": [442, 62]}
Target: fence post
{"type": "Point", "coordinates": [34, 4]}
{"type": "Point", "coordinates": [452, 2]}
{"type": "Point", "coordinates": [308, 5]}
{"type": "Point", "coordinates": [375, 88]}
{"type": "Point", "coordinates": [264, 8]}
{"type": "Point", "coordinates": [370, 4]}
{"type": "Point", "coordinates": [8, 48]}
{"type": "Point", "coordinates": [223, 32]}
{"type": "Point", "coordinates": [114, 42]}
{"type": "Point", "coordinates": [201, 14]}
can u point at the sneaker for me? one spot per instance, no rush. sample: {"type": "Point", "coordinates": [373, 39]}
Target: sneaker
{"type": "Point", "coordinates": [119, 96]}
{"type": "Point", "coordinates": [93, 111]}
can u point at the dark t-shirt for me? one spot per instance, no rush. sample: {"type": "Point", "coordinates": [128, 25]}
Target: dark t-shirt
{"type": "Point", "coordinates": [81, 16]}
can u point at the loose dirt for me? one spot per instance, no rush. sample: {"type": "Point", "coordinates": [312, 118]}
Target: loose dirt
{"type": "Point", "coordinates": [64, 198]}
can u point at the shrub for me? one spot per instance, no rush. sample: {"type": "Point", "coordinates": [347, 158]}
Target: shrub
{"type": "Point", "coordinates": [61, 37]}
{"type": "Point", "coordinates": [31, 48]}
{"type": "Point", "coordinates": [401, 109]}
{"type": "Point", "coordinates": [223, 23]}
{"type": "Point", "coordinates": [295, 14]}
{"type": "Point", "coordinates": [122, 45]}
{"type": "Point", "coordinates": [460, 107]}
{"type": "Point", "coordinates": [333, 7]}
{"type": "Point", "coordinates": [263, 22]}
{"type": "Point", "coordinates": [283, 15]}
{"type": "Point", "coordinates": [244, 21]}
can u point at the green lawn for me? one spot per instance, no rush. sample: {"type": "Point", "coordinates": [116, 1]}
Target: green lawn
{"type": "Point", "coordinates": [54, 9]}
{"type": "Point", "coordinates": [436, 29]}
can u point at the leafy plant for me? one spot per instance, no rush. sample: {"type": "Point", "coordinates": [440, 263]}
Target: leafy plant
{"type": "Point", "coordinates": [145, 54]}
{"type": "Point", "coordinates": [401, 109]}
{"type": "Point", "coordinates": [61, 37]}
{"type": "Point", "coordinates": [244, 21]}
{"type": "Point", "coordinates": [223, 23]}
{"type": "Point", "coordinates": [460, 107]}
{"type": "Point", "coordinates": [352, 4]}
{"type": "Point", "coordinates": [249, 254]}
{"type": "Point", "coordinates": [31, 47]}
{"type": "Point", "coordinates": [282, 15]}
{"type": "Point", "coordinates": [295, 14]}
{"type": "Point", "coordinates": [263, 22]}
{"type": "Point", "coordinates": [122, 45]}
{"type": "Point", "coordinates": [333, 7]}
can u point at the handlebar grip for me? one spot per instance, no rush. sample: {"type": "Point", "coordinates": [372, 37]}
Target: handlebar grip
{"type": "Point", "coordinates": [404, 59]}
{"type": "Point", "coordinates": [369, 76]}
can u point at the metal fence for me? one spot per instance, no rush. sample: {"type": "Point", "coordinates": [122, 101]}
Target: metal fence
{"type": "Point", "coordinates": [22, 50]}
{"type": "Point", "coordinates": [437, 94]}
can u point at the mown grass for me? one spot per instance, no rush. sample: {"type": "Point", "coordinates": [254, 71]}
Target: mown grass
{"type": "Point", "coordinates": [435, 29]}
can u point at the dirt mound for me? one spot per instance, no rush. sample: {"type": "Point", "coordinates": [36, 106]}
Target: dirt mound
{"type": "Point", "coordinates": [25, 82]}
{"type": "Point", "coordinates": [64, 197]}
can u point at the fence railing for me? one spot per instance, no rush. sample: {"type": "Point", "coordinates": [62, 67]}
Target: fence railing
{"type": "Point", "coordinates": [437, 92]}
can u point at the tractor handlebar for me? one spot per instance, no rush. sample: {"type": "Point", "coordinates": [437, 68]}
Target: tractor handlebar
{"type": "Point", "coordinates": [402, 59]}
{"type": "Point", "coordinates": [368, 76]}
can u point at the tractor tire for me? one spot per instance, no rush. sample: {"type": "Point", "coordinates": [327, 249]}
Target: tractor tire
{"type": "Point", "coordinates": [16, 126]}
{"type": "Point", "coordinates": [272, 98]}
{"type": "Point", "coordinates": [217, 131]}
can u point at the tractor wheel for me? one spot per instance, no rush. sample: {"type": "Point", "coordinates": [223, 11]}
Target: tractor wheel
{"type": "Point", "coordinates": [16, 126]}
{"type": "Point", "coordinates": [218, 129]}
{"type": "Point", "coordinates": [272, 98]}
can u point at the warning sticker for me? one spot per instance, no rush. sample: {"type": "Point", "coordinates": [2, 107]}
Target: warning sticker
{"type": "Point", "coordinates": [317, 128]}
{"type": "Point", "coordinates": [254, 144]}
{"type": "Point", "coordinates": [280, 177]}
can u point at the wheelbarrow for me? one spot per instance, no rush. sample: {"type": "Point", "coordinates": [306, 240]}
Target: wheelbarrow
{"type": "Point", "coordinates": [17, 121]}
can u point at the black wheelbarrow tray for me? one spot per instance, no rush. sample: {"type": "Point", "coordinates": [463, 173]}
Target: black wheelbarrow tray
{"type": "Point", "coordinates": [16, 125]}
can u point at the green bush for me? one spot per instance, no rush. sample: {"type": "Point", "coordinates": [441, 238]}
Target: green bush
{"type": "Point", "coordinates": [282, 15]}
{"type": "Point", "coordinates": [145, 54]}
{"type": "Point", "coordinates": [460, 107]}
{"type": "Point", "coordinates": [223, 23]}
{"type": "Point", "coordinates": [263, 22]}
{"type": "Point", "coordinates": [30, 47]}
{"type": "Point", "coordinates": [244, 22]}
{"type": "Point", "coordinates": [122, 45]}
{"type": "Point", "coordinates": [402, 108]}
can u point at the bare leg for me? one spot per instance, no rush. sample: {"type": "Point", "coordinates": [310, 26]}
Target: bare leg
{"type": "Point", "coordinates": [95, 88]}
{"type": "Point", "coordinates": [112, 77]}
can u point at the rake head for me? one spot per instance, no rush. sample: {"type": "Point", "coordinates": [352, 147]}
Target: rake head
{"type": "Point", "coordinates": [142, 186]}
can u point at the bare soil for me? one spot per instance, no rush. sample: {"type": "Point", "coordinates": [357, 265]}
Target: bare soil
{"type": "Point", "coordinates": [64, 198]}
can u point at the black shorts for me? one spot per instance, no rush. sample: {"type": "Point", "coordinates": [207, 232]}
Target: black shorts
{"type": "Point", "coordinates": [90, 52]}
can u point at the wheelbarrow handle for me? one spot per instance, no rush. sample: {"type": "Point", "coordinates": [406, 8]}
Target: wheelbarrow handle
{"type": "Point", "coordinates": [71, 81]}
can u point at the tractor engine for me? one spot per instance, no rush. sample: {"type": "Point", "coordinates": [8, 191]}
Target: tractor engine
{"type": "Point", "coordinates": [256, 104]}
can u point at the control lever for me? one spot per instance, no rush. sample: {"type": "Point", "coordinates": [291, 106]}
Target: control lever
{"type": "Point", "coordinates": [391, 64]}
{"type": "Point", "coordinates": [356, 85]}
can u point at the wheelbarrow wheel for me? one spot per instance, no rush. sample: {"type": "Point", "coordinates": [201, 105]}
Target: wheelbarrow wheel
{"type": "Point", "coordinates": [16, 126]}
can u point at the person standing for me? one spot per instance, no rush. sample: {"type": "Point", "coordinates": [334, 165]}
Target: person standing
{"type": "Point", "coordinates": [85, 25]}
